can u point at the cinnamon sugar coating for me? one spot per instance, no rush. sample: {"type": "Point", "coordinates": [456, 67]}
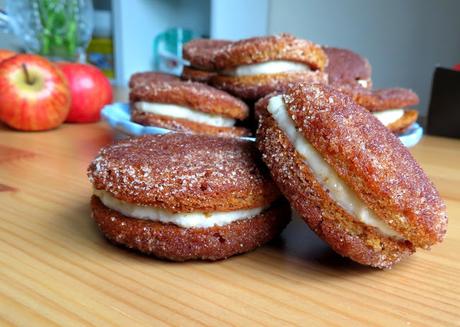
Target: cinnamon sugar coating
{"type": "Point", "coordinates": [266, 48]}
{"type": "Point", "coordinates": [197, 75]}
{"type": "Point", "coordinates": [403, 123]}
{"type": "Point", "coordinates": [200, 52]}
{"type": "Point", "coordinates": [185, 126]}
{"type": "Point", "coordinates": [347, 67]}
{"type": "Point", "coordinates": [381, 99]}
{"type": "Point", "coordinates": [184, 173]}
{"type": "Point", "coordinates": [371, 160]}
{"type": "Point", "coordinates": [256, 86]}
{"type": "Point", "coordinates": [172, 242]}
{"type": "Point", "coordinates": [142, 78]}
{"type": "Point", "coordinates": [260, 107]}
{"type": "Point", "coordinates": [327, 219]}
{"type": "Point", "coordinates": [193, 95]}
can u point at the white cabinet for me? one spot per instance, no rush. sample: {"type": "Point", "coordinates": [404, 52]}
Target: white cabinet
{"type": "Point", "coordinates": [137, 22]}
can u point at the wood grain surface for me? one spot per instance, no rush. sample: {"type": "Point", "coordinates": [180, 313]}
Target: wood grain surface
{"type": "Point", "coordinates": [56, 269]}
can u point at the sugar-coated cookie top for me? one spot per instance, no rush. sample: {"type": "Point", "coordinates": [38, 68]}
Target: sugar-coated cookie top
{"type": "Point", "coordinates": [184, 173]}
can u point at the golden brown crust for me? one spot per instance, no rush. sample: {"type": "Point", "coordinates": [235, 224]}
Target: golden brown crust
{"type": "Point", "coordinates": [193, 95]}
{"type": "Point", "coordinates": [403, 123]}
{"type": "Point", "coordinates": [381, 99]}
{"type": "Point", "coordinates": [346, 235]}
{"type": "Point", "coordinates": [196, 75]}
{"type": "Point", "coordinates": [260, 107]}
{"type": "Point", "coordinates": [347, 67]}
{"type": "Point", "coordinates": [142, 78]}
{"type": "Point", "coordinates": [185, 126]}
{"type": "Point", "coordinates": [184, 173]}
{"type": "Point", "coordinates": [371, 160]}
{"type": "Point", "coordinates": [256, 86]}
{"type": "Point", "coordinates": [267, 48]}
{"type": "Point", "coordinates": [200, 52]}
{"type": "Point", "coordinates": [172, 242]}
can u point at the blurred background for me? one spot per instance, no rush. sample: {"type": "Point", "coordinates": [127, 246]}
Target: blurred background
{"type": "Point", "coordinates": [403, 40]}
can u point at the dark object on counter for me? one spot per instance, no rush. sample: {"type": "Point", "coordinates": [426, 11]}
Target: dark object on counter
{"type": "Point", "coordinates": [444, 111]}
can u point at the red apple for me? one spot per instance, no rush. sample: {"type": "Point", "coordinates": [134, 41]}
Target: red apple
{"type": "Point", "coordinates": [5, 54]}
{"type": "Point", "coordinates": [90, 89]}
{"type": "Point", "coordinates": [457, 67]}
{"type": "Point", "coordinates": [34, 94]}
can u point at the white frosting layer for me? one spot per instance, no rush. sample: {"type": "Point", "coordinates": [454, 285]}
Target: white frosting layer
{"type": "Point", "coordinates": [175, 111]}
{"type": "Point", "coordinates": [364, 83]}
{"type": "Point", "coordinates": [324, 173]}
{"type": "Point", "coordinates": [196, 219]}
{"type": "Point", "coordinates": [268, 67]}
{"type": "Point", "coordinates": [388, 117]}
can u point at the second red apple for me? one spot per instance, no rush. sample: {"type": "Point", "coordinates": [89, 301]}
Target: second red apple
{"type": "Point", "coordinates": [90, 89]}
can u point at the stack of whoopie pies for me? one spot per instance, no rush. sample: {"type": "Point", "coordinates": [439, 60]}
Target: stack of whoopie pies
{"type": "Point", "coordinates": [326, 145]}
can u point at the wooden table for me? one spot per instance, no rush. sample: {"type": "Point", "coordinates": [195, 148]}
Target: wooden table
{"type": "Point", "coordinates": [56, 269]}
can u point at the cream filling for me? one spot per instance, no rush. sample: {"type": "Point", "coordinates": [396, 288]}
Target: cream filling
{"type": "Point", "coordinates": [268, 67]}
{"type": "Point", "coordinates": [324, 173]}
{"type": "Point", "coordinates": [388, 117]}
{"type": "Point", "coordinates": [364, 83]}
{"type": "Point", "coordinates": [175, 111]}
{"type": "Point", "coordinates": [197, 219]}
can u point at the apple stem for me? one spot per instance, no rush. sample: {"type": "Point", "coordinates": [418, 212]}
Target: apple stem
{"type": "Point", "coordinates": [29, 79]}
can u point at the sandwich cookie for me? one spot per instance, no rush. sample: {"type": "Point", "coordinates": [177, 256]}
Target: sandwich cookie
{"type": "Point", "coordinates": [183, 197]}
{"type": "Point", "coordinates": [142, 78]}
{"type": "Point", "coordinates": [188, 107]}
{"type": "Point", "coordinates": [348, 177]}
{"type": "Point", "coordinates": [389, 106]}
{"type": "Point", "coordinates": [347, 67]}
{"type": "Point", "coordinates": [255, 67]}
{"type": "Point", "coordinates": [200, 54]}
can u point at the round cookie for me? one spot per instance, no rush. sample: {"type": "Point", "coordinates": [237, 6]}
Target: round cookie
{"type": "Point", "coordinates": [347, 67]}
{"type": "Point", "coordinates": [181, 178]}
{"type": "Point", "coordinates": [254, 87]}
{"type": "Point", "coordinates": [260, 107]}
{"type": "Point", "coordinates": [252, 68]}
{"type": "Point", "coordinates": [382, 102]}
{"type": "Point", "coordinates": [197, 75]}
{"type": "Point", "coordinates": [383, 99]}
{"type": "Point", "coordinates": [402, 124]}
{"type": "Point", "coordinates": [267, 48]}
{"type": "Point", "coordinates": [142, 78]}
{"type": "Point", "coordinates": [188, 107]}
{"type": "Point", "coordinates": [200, 52]}
{"type": "Point", "coordinates": [171, 242]}
{"type": "Point", "coordinates": [186, 126]}
{"type": "Point", "coordinates": [349, 178]}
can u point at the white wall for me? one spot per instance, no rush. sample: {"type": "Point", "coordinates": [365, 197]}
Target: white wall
{"type": "Point", "coordinates": [238, 19]}
{"type": "Point", "coordinates": [403, 39]}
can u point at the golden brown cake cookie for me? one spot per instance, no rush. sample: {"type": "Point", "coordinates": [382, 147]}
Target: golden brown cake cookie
{"type": "Point", "coordinates": [184, 197]}
{"type": "Point", "coordinates": [256, 86]}
{"type": "Point", "coordinates": [347, 67]}
{"type": "Point", "coordinates": [139, 79]}
{"type": "Point", "coordinates": [402, 124]}
{"type": "Point", "coordinates": [384, 99]}
{"type": "Point", "coordinates": [388, 105]}
{"type": "Point", "coordinates": [200, 52]}
{"type": "Point", "coordinates": [188, 107]}
{"type": "Point", "coordinates": [252, 68]}
{"type": "Point", "coordinates": [172, 242]}
{"type": "Point", "coordinates": [349, 178]}
{"type": "Point", "coordinates": [186, 126]}
{"type": "Point", "coordinates": [197, 75]}
{"type": "Point", "coordinates": [267, 48]}
{"type": "Point", "coordinates": [260, 107]}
